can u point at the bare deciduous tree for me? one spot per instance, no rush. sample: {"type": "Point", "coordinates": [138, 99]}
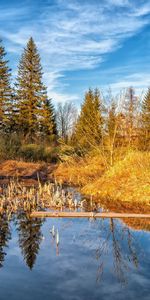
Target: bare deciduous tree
{"type": "Point", "coordinates": [66, 116]}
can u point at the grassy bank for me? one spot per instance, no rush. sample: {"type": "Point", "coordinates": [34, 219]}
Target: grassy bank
{"type": "Point", "coordinates": [81, 171]}
{"type": "Point", "coordinates": [124, 183]}
{"type": "Point", "coordinates": [14, 147]}
{"type": "Point", "coordinates": [26, 170]}
{"type": "Point", "coordinates": [128, 180]}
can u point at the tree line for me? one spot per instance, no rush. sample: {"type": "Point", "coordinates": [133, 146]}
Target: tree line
{"type": "Point", "coordinates": [106, 124]}
{"type": "Point", "coordinates": [111, 124]}
{"type": "Point", "coordinates": [25, 108]}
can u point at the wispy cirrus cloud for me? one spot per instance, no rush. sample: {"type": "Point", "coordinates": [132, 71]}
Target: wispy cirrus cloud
{"type": "Point", "coordinates": [52, 81]}
{"type": "Point", "coordinates": [140, 81]}
{"type": "Point", "coordinates": [73, 35]}
{"type": "Point", "coordinates": [13, 13]}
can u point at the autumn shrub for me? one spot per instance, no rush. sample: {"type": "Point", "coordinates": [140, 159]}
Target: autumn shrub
{"type": "Point", "coordinates": [9, 146]}
{"type": "Point", "coordinates": [127, 180]}
{"type": "Point", "coordinates": [35, 152]}
{"type": "Point", "coordinates": [81, 170]}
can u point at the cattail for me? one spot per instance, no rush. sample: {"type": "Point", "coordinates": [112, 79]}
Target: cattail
{"type": "Point", "coordinates": [75, 203]}
{"type": "Point", "coordinates": [53, 231]}
{"type": "Point", "coordinates": [57, 238]}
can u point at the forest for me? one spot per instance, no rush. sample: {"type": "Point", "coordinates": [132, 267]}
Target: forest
{"type": "Point", "coordinates": [103, 146]}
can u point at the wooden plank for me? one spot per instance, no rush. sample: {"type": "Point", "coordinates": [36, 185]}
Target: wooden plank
{"type": "Point", "coordinates": [80, 214]}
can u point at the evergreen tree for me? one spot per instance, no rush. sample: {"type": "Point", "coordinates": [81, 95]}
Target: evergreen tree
{"type": "Point", "coordinates": [5, 92]}
{"type": "Point", "coordinates": [146, 121]}
{"type": "Point", "coordinates": [4, 237]}
{"type": "Point", "coordinates": [88, 131]}
{"type": "Point", "coordinates": [29, 237]}
{"type": "Point", "coordinates": [31, 93]}
{"type": "Point", "coordinates": [48, 122]}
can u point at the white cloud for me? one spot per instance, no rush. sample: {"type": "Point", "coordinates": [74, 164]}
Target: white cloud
{"type": "Point", "coordinates": [118, 2]}
{"type": "Point", "coordinates": [62, 97]}
{"type": "Point", "coordinates": [142, 11]}
{"type": "Point", "coordinates": [13, 13]}
{"type": "Point", "coordinates": [139, 81]}
{"type": "Point", "coordinates": [75, 35]}
{"type": "Point", "coordinates": [51, 80]}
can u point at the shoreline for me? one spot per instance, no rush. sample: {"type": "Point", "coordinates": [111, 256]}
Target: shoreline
{"type": "Point", "coordinates": [21, 170]}
{"type": "Point", "coordinates": [125, 184]}
{"type": "Point", "coordinates": [30, 173]}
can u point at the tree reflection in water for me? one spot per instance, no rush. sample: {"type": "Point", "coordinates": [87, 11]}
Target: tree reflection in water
{"type": "Point", "coordinates": [121, 242]}
{"type": "Point", "coordinates": [30, 236]}
{"type": "Point", "coordinates": [105, 237]}
{"type": "Point", "coordinates": [5, 236]}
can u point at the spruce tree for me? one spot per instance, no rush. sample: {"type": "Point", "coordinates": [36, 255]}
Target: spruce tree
{"type": "Point", "coordinates": [88, 131]}
{"type": "Point", "coordinates": [5, 236]}
{"type": "Point", "coordinates": [30, 237]}
{"type": "Point", "coordinates": [146, 121]}
{"type": "Point", "coordinates": [31, 94]}
{"type": "Point", "coordinates": [48, 122]}
{"type": "Point", "coordinates": [5, 92]}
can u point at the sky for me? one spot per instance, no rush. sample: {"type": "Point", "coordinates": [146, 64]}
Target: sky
{"type": "Point", "coordinates": [82, 43]}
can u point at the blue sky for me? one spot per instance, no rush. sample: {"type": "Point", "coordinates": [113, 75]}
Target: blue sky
{"type": "Point", "coordinates": [82, 43]}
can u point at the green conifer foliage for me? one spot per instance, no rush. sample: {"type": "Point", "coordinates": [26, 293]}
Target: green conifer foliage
{"type": "Point", "coordinates": [5, 92]}
{"type": "Point", "coordinates": [146, 120]}
{"type": "Point", "coordinates": [31, 95]}
{"type": "Point", "coordinates": [88, 132]}
{"type": "Point", "coordinates": [30, 237]}
{"type": "Point", "coordinates": [5, 236]}
{"type": "Point", "coordinates": [48, 122]}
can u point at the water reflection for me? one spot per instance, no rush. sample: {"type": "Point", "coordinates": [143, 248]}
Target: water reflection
{"type": "Point", "coordinates": [138, 224]}
{"type": "Point", "coordinates": [122, 239]}
{"type": "Point", "coordinates": [117, 240]}
{"type": "Point", "coordinates": [101, 239]}
{"type": "Point", "coordinates": [30, 237]}
{"type": "Point", "coordinates": [5, 236]}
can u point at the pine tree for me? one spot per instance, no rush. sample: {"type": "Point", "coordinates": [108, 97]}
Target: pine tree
{"type": "Point", "coordinates": [48, 122]}
{"type": "Point", "coordinates": [5, 235]}
{"type": "Point", "coordinates": [29, 237]}
{"type": "Point", "coordinates": [146, 121]}
{"type": "Point", "coordinates": [31, 93]}
{"type": "Point", "coordinates": [88, 131]}
{"type": "Point", "coordinates": [5, 92]}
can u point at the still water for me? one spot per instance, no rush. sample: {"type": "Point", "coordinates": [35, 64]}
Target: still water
{"type": "Point", "coordinates": [95, 259]}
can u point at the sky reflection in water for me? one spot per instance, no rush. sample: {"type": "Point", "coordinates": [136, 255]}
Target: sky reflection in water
{"type": "Point", "coordinates": [98, 259]}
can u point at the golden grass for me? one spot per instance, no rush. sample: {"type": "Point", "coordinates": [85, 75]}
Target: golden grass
{"type": "Point", "coordinates": [19, 168]}
{"type": "Point", "coordinates": [137, 224]}
{"type": "Point", "coordinates": [80, 171]}
{"type": "Point", "coordinates": [127, 181]}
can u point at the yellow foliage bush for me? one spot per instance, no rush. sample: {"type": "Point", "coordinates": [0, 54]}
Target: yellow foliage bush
{"type": "Point", "coordinates": [127, 180]}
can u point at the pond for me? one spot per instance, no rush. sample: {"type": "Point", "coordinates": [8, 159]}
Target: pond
{"type": "Point", "coordinates": [95, 259]}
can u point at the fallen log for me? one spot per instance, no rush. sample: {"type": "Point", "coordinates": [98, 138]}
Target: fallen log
{"type": "Point", "coordinates": [80, 214]}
